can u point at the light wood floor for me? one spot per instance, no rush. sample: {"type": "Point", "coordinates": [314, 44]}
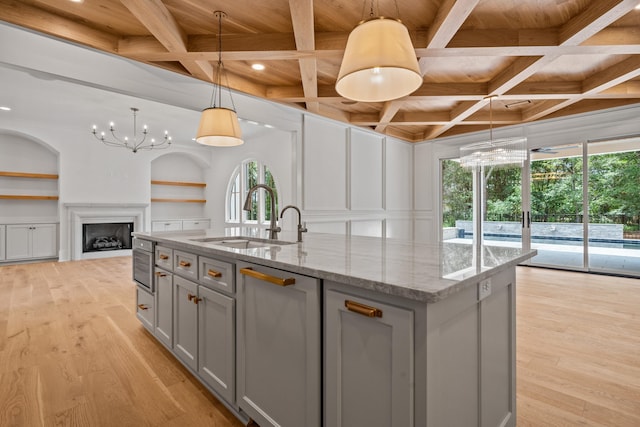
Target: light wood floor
{"type": "Point", "coordinates": [72, 352]}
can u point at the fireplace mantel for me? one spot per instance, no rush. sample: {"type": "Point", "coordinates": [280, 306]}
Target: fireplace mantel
{"type": "Point", "coordinates": [93, 213]}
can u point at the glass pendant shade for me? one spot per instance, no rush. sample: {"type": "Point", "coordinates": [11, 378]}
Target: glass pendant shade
{"type": "Point", "coordinates": [219, 127]}
{"type": "Point", "coordinates": [379, 62]}
{"type": "Point", "coordinates": [501, 152]}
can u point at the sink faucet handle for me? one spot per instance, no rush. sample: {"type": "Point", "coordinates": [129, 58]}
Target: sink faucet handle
{"type": "Point", "coordinates": [303, 227]}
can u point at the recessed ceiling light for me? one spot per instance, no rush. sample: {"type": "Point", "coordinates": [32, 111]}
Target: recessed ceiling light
{"type": "Point", "coordinates": [268, 126]}
{"type": "Point", "coordinates": [257, 67]}
{"type": "Point", "coordinates": [77, 1]}
{"type": "Point", "coordinates": [638, 7]}
{"type": "Point", "coordinates": [5, 108]}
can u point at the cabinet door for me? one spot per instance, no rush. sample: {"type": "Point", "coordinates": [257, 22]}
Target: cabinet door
{"type": "Point", "coordinates": [278, 339]}
{"type": "Point", "coordinates": [164, 307]}
{"type": "Point", "coordinates": [216, 342]}
{"type": "Point", "coordinates": [2, 241]}
{"type": "Point", "coordinates": [185, 321]}
{"type": "Point", "coordinates": [44, 243]}
{"type": "Point", "coordinates": [145, 310]}
{"type": "Point", "coordinates": [19, 241]}
{"type": "Point", "coordinates": [368, 363]}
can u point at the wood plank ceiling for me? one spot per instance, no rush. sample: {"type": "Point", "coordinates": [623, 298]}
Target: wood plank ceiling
{"type": "Point", "coordinates": [543, 58]}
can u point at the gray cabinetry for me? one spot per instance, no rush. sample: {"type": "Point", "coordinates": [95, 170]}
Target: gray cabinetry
{"type": "Point", "coordinates": [164, 257]}
{"type": "Point", "coordinates": [369, 373]}
{"type": "Point", "coordinates": [216, 341]}
{"type": "Point", "coordinates": [278, 343]}
{"type": "Point", "coordinates": [164, 307]}
{"type": "Point", "coordinates": [2, 242]}
{"type": "Point", "coordinates": [185, 264]}
{"type": "Point", "coordinates": [204, 334]}
{"type": "Point", "coordinates": [145, 308]}
{"type": "Point", "coordinates": [185, 321]}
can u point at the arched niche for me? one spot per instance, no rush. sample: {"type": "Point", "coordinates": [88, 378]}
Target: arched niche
{"type": "Point", "coordinates": [29, 169]}
{"type": "Point", "coordinates": [177, 187]}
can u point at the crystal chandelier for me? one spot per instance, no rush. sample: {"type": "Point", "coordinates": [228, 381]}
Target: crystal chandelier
{"type": "Point", "coordinates": [219, 127]}
{"type": "Point", "coordinates": [133, 144]}
{"type": "Point", "coordinates": [499, 152]}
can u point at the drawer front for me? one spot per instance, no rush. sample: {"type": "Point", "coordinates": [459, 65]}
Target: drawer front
{"type": "Point", "coordinates": [145, 245]}
{"type": "Point", "coordinates": [170, 225]}
{"type": "Point", "coordinates": [145, 309]}
{"type": "Point", "coordinates": [218, 275]}
{"type": "Point", "coordinates": [164, 257]}
{"type": "Point", "coordinates": [185, 264]}
{"type": "Point", "coordinates": [195, 224]}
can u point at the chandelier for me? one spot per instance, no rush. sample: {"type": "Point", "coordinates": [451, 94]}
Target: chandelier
{"type": "Point", "coordinates": [379, 62]}
{"type": "Point", "coordinates": [219, 127]}
{"type": "Point", "coordinates": [499, 152]}
{"type": "Point", "coordinates": [133, 144]}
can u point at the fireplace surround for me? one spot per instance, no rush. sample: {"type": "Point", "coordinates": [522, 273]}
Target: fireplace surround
{"type": "Point", "coordinates": [79, 215]}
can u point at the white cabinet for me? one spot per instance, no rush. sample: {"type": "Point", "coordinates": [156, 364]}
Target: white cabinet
{"type": "Point", "coordinates": [195, 224]}
{"type": "Point", "coordinates": [168, 225]}
{"type": "Point", "coordinates": [278, 343]}
{"type": "Point", "coordinates": [2, 241]}
{"type": "Point", "coordinates": [164, 307]}
{"type": "Point", "coordinates": [30, 241]}
{"type": "Point", "coordinates": [368, 352]}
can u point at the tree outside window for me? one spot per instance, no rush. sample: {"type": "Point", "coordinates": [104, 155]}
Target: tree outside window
{"type": "Point", "coordinates": [246, 176]}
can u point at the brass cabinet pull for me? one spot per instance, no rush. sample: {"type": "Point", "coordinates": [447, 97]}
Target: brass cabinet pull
{"type": "Point", "coordinates": [214, 273]}
{"type": "Point", "coordinates": [267, 278]}
{"type": "Point", "coordinates": [163, 256]}
{"type": "Point", "coordinates": [143, 307]}
{"type": "Point", "coordinates": [190, 297]}
{"type": "Point", "coordinates": [196, 300]}
{"type": "Point", "coordinates": [185, 264]}
{"type": "Point", "coordinates": [161, 274]}
{"type": "Point", "coordinates": [365, 310]}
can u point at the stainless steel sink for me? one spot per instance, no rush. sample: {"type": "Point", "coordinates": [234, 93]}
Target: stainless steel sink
{"type": "Point", "coordinates": [241, 242]}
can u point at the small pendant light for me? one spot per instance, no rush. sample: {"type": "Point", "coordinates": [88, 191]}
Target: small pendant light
{"type": "Point", "coordinates": [219, 127]}
{"type": "Point", "coordinates": [379, 62]}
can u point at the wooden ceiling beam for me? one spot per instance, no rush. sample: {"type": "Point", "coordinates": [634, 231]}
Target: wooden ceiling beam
{"type": "Point", "coordinates": [597, 16]}
{"type": "Point", "coordinates": [156, 18]}
{"type": "Point", "coordinates": [302, 20]}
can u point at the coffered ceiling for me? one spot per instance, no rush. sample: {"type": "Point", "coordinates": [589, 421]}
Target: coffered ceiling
{"type": "Point", "coordinates": [543, 58]}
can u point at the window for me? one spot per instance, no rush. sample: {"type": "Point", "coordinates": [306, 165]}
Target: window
{"type": "Point", "coordinates": [247, 175]}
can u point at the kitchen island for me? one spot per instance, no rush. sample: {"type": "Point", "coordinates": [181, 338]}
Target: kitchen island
{"type": "Point", "coordinates": [337, 330]}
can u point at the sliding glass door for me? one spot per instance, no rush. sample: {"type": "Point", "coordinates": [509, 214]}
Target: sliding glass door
{"type": "Point", "coordinates": [555, 216]}
{"type": "Point", "coordinates": [578, 205]}
{"type": "Point", "coordinates": [614, 206]}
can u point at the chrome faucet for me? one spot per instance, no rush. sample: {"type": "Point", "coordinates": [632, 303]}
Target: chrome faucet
{"type": "Point", "coordinates": [301, 228]}
{"type": "Point", "coordinates": [273, 226]}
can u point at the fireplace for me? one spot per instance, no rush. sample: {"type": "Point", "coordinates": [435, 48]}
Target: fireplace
{"type": "Point", "coordinates": [104, 215]}
{"type": "Point", "coordinates": [107, 236]}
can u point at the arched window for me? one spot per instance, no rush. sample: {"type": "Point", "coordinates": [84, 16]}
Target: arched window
{"type": "Point", "coordinates": [248, 174]}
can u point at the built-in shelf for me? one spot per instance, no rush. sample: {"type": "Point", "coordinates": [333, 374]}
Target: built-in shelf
{"type": "Point", "coordinates": [26, 197]}
{"type": "Point", "coordinates": [29, 175]}
{"type": "Point", "coordinates": [179, 183]}
{"type": "Point", "coordinates": [180, 200]}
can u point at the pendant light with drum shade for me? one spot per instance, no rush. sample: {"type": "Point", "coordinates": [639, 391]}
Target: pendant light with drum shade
{"type": "Point", "coordinates": [219, 126]}
{"type": "Point", "coordinates": [379, 62]}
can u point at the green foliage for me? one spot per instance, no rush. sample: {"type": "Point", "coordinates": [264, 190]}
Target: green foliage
{"type": "Point", "coordinates": [556, 190]}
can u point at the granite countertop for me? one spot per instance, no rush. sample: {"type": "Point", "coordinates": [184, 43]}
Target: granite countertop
{"type": "Point", "coordinates": [417, 271]}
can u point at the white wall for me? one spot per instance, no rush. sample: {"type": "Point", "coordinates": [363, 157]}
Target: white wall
{"type": "Point", "coordinates": [356, 181]}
